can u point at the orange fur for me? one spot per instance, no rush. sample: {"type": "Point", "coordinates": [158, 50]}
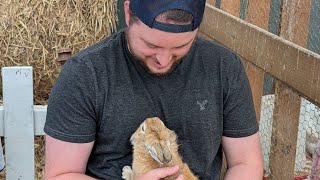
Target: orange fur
{"type": "Point", "coordinates": [155, 146]}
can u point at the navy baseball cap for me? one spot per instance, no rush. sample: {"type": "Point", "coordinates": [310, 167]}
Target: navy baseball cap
{"type": "Point", "coordinates": [148, 10]}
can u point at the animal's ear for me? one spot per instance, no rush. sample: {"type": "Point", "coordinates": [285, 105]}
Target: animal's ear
{"type": "Point", "coordinates": [160, 152]}
{"type": "Point", "coordinates": [162, 123]}
{"type": "Point", "coordinates": [155, 152]}
{"type": "Point", "coordinates": [167, 157]}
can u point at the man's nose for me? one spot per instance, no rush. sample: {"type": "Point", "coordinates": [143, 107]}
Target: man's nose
{"type": "Point", "coordinates": [164, 57]}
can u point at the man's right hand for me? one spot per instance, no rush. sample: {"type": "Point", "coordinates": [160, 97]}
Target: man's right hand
{"type": "Point", "coordinates": [160, 173]}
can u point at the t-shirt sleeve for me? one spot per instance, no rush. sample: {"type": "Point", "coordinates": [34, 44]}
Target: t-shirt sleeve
{"type": "Point", "coordinates": [238, 108]}
{"type": "Point", "coordinates": [71, 108]}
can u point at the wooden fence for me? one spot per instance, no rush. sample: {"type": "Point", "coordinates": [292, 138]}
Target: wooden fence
{"type": "Point", "coordinates": [20, 121]}
{"type": "Point", "coordinates": [295, 69]}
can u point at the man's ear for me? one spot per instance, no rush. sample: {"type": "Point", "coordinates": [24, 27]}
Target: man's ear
{"type": "Point", "coordinates": [127, 11]}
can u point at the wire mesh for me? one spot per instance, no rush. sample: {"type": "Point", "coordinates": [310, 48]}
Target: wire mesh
{"type": "Point", "coordinates": [307, 140]}
{"type": "Point", "coordinates": [308, 137]}
{"type": "Point", "coordinates": [265, 126]}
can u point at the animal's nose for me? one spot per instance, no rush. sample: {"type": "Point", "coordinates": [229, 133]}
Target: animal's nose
{"type": "Point", "coordinates": [167, 160]}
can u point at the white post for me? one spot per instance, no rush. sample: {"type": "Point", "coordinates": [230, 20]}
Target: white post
{"type": "Point", "coordinates": [18, 121]}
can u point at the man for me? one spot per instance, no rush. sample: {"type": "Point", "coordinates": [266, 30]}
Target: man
{"type": "Point", "coordinates": [155, 67]}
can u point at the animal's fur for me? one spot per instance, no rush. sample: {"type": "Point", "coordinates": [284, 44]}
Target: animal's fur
{"type": "Point", "coordinates": [155, 146]}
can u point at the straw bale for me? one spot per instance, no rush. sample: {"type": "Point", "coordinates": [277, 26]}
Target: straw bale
{"type": "Point", "coordinates": [33, 31]}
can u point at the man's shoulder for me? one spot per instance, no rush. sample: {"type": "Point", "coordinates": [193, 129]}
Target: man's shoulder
{"type": "Point", "coordinates": [212, 51]}
{"type": "Point", "coordinates": [107, 45]}
{"type": "Point", "coordinates": [101, 54]}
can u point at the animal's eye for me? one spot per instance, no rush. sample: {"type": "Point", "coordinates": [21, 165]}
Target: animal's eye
{"type": "Point", "coordinates": [143, 127]}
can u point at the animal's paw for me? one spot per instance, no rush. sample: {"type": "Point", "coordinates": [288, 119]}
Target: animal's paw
{"type": "Point", "coordinates": [127, 173]}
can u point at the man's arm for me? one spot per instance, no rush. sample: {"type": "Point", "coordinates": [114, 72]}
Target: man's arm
{"type": "Point", "coordinates": [65, 160]}
{"type": "Point", "coordinates": [243, 157]}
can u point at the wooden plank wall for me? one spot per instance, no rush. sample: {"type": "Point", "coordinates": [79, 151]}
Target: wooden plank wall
{"type": "Point", "coordinates": [258, 13]}
{"type": "Point", "coordinates": [287, 62]}
{"type": "Point", "coordinates": [231, 7]}
{"type": "Point", "coordinates": [295, 21]}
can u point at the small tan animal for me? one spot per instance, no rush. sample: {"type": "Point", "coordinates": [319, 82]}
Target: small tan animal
{"type": "Point", "coordinates": [155, 146]}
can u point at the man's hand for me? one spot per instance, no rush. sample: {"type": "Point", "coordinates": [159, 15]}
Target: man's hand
{"type": "Point", "coordinates": [160, 173]}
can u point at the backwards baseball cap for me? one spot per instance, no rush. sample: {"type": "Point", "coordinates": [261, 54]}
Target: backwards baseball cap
{"type": "Point", "coordinates": [148, 10]}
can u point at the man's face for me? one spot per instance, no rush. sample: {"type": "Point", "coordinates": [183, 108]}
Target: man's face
{"type": "Point", "coordinates": [157, 50]}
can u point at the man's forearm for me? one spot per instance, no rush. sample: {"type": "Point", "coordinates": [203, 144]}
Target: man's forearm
{"type": "Point", "coordinates": [71, 176]}
{"type": "Point", "coordinates": [248, 172]}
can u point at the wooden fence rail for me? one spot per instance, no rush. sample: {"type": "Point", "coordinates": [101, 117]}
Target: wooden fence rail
{"type": "Point", "coordinates": [288, 62]}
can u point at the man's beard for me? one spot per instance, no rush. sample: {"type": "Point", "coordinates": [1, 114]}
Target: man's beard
{"type": "Point", "coordinates": [143, 61]}
{"type": "Point", "coordinates": [144, 64]}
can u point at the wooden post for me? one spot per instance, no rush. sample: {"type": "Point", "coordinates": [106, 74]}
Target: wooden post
{"type": "Point", "coordinates": [18, 121]}
{"type": "Point", "coordinates": [284, 133]}
{"type": "Point", "coordinates": [294, 28]}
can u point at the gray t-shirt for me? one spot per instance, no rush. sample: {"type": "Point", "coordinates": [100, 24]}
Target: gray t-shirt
{"type": "Point", "coordinates": [103, 94]}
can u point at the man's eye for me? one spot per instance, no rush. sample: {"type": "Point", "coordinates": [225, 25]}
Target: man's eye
{"type": "Point", "coordinates": [151, 46]}
{"type": "Point", "coordinates": [180, 47]}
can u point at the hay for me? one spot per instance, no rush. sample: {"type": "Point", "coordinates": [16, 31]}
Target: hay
{"type": "Point", "coordinates": [32, 32]}
{"type": "Point", "coordinates": [39, 150]}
